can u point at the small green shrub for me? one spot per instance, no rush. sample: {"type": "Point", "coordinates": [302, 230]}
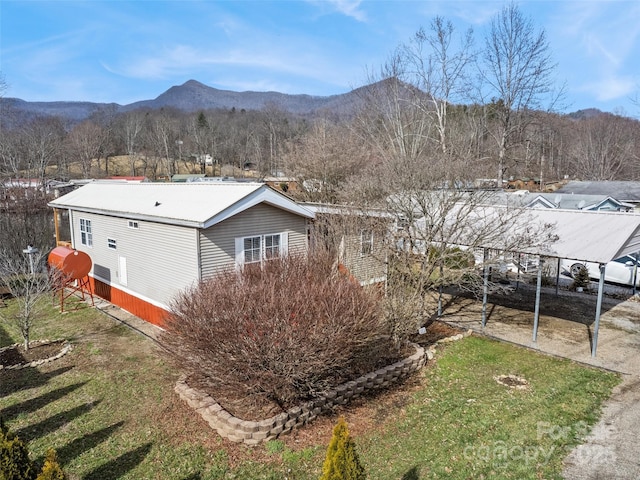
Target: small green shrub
{"type": "Point", "coordinates": [51, 469]}
{"type": "Point", "coordinates": [14, 457]}
{"type": "Point", "coordinates": [342, 462]}
{"type": "Point", "coordinates": [582, 278]}
{"type": "Point", "coordinates": [15, 463]}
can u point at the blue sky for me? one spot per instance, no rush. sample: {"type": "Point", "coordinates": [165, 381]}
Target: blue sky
{"type": "Point", "coordinates": [124, 51]}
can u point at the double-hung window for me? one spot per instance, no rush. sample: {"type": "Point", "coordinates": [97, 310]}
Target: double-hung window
{"type": "Point", "coordinates": [366, 242]}
{"type": "Point", "coordinates": [258, 248]}
{"type": "Point", "coordinates": [252, 248]}
{"type": "Point", "coordinates": [86, 234]}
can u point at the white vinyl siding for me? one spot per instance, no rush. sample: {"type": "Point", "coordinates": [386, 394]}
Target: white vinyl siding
{"type": "Point", "coordinates": [219, 244]}
{"type": "Point", "coordinates": [161, 259]}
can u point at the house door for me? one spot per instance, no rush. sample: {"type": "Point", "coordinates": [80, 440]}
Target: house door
{"type": "Point", "coordinates": [123, 270]}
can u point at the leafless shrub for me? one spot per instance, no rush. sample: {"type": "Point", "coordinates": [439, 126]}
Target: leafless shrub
{"type": "Point", "coordinates": [281, 332]}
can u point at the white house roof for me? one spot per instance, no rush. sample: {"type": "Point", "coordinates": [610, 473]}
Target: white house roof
{"type": "Point", "coordinates": [197, 205]}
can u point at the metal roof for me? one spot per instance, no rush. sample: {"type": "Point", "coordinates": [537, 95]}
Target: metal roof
{"type": "Point", "coordinates": [621, 190]}
{"type": "Point", "coordinates": [589, 236]}
{"type": "Point", "coordinates": [197, 205]}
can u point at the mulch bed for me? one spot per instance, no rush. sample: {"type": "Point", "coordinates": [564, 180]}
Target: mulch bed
{"type": "Point", "coordinates": [17, 355]}
{"type": "Point", "coordinates": [258, 408]}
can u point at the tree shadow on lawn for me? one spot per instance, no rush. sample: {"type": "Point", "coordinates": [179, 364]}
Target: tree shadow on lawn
{"type": "Point", "coordinates": [12, 381]}
{"type": "Point", "coordinates": [117, 467]}
{"type": "Point", "coordinates": [53, 423]}
{"type": "Point", "coordinates": [411, 474]}
{"type": "Point", "coordinates": [38, 402]}
{"type": "Point", "coordinates": [78, 446]}
{"type": "Point", "coordinates": [5, 338]}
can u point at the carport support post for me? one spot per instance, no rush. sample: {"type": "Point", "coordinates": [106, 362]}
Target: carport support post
{"type": "Point", "coordinates": [558, 276]}
{"type": "Point", "coordinates": [485, 290]}
{"type": "Point", "coordinates": [596, 327]}
{"type": "Point", "coordinates": [536, 315]}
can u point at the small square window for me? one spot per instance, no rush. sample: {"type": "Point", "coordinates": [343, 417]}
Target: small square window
{"type": "Point", "coordinates": [133, 224]}
{"type": "Point", "coordinates": [111, 243]}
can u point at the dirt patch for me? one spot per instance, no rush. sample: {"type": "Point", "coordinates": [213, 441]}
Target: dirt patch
{"type": "Point", "coordinates": [17, 355]}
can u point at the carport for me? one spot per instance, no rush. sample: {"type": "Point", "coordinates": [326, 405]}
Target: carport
{"type": "Point", "coordinates": [597, 237]}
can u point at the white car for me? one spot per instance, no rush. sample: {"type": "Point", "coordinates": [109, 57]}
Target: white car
{"type": "Point", "coordinates": [622, 270]}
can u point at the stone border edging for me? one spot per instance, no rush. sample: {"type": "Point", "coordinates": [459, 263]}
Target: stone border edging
{"type": "Point", "coordinates": [255, 432]}
{"type": "Point", "coordinates": [66, 348]}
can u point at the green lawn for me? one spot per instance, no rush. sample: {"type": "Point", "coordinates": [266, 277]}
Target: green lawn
{"type": "Point", "coordinates": [109, 410]}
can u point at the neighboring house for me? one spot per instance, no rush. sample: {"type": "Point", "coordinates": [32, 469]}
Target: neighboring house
{"type": "Point", "coordinates": [149, 241]}
{"type": "Point", "coordinates": [356, 237]}
{"type": "Point", "coordinates": [186, 177]}
{"type": "Point", "coordinates": [626, 192]}
{"type": "Point", "coordinates": [579, 202]}
{"type": "Point", "coordinates": [557, 200]}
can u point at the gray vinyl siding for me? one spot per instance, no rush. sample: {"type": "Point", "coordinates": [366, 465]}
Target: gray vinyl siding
{"type": "Point", "coordinates": [161, 259]}
{"type": "Point", "coordinates": [217, 243]}
{"type": "Point", "coordinates": [365, 267]}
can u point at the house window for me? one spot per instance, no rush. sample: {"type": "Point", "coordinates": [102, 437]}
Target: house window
{"type": "Point", "coordinates": [86, 235]}
{"type": "Point", "coordinates": [132, 224]}
{"type": "Point", "coordinates": [366, 242]}
{"type": "Point", "coordinates": [260, 247]}
{"type": "Point", "coordinates": [111, 243]}
{"type": "Point", "coordinates": [252, 249]}
{"type": "Point", "coordinates": [271, 246]}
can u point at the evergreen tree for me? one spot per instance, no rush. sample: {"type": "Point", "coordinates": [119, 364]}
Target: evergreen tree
{"type": "Point", "coordinates": [14, 457]}
{"type": "Point", "coordinates": [15, 463]}
{"type": "Point", "coordinates": [51, 469]}
{"type": "Point", "coordinates": [342, 462]}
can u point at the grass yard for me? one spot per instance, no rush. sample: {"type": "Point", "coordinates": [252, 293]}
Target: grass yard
{"type": "Point", "coordinates": [109, 409]}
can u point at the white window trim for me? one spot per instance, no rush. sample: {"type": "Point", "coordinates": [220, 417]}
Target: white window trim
{"type": "Point", "coordinates": [112, 244]}
{"type": "Point", "coordinates": [133, 224]}
{"type": "Point", "coordinates": [86, 232]}
{"type": "Point", "coordinates": [366, 241]}
{"type": "Point", "coordinates": [240, 251]}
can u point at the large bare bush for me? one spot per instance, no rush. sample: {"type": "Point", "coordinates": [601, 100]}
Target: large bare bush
{"type": "Point", "coordinates": [279, 332]}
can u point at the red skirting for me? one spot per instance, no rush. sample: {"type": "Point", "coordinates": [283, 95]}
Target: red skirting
{"type": "Point", "coordinates": [128, 302]}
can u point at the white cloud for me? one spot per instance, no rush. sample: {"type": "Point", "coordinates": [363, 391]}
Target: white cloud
{"type": "Point", "coordinates": [610, 88]}
{"type": "Point", "coordinates": [349, 8]}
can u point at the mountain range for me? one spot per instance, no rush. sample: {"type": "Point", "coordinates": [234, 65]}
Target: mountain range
{"type": "Point", "coordinates": [192, 96]}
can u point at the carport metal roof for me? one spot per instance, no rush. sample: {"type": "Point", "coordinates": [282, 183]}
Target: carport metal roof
{"type": "Point", "coordinates": [598, 237]}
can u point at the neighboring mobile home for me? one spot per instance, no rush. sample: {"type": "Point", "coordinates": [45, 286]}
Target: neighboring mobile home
{"type": "Point", "coordinates": [149, 241]}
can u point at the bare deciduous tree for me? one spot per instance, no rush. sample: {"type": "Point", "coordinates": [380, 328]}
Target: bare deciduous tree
{"type": "Point", "coordinates": [86, 142]}
{"type": "Point", "coordinates": [439, 68]}
{"type": "Point", "coordinates": [28, 282]}
{"type": "Point", "coordinates": [131, 126]}
{"type": "Point", "coordinates": [517, 76]}
{"type": "Point", "coordinates": [605, 148]}
{"type": "Point", "coordinates": [323, 159]}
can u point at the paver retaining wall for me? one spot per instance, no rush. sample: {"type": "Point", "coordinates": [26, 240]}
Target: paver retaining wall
{"type": "Point", "coordinates": [255, 432]}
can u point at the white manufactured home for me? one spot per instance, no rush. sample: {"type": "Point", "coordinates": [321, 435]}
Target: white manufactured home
{"type": "Point", "coordinates": [150, 241]}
